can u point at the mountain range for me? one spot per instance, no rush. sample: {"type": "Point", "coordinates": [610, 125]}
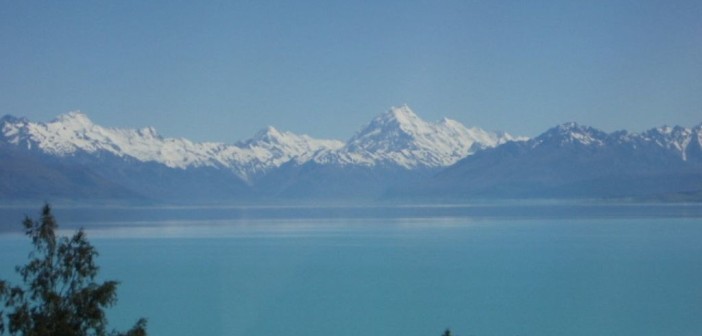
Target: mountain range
{"type": "Point", "coordinates": [396, 156]}
{"type": "Point", "coordinates": [576, 161]}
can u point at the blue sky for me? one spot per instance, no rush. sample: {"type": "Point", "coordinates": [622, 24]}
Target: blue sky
{"type": "Point", "coordinates": [220, 71]}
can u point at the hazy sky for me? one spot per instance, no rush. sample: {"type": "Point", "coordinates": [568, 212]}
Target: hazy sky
{"type": "Point", "coordinates": [220, 71]}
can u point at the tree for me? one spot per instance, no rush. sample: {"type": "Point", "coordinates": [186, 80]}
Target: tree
{"type": "Point", "coordinates": [60, 295]}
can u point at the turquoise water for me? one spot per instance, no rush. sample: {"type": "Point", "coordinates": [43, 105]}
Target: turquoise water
{"type": "Point", "coordinates": [531, 270]}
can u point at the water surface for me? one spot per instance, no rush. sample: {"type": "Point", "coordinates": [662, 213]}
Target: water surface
{"type": "Point", "coordinates": [529, 269]}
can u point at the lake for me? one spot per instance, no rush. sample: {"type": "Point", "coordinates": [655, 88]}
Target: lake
{"type": "Point", "coordinates": [535, 268]}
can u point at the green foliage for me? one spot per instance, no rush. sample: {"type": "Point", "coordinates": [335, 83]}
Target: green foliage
{"type": "Point", "coordinates": [59, 295]}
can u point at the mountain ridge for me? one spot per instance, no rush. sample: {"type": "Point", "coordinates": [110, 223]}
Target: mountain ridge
{"type": "Point", "coordinates": [74, 132]}
{"type": "Point", "coordinates": [268, 148]}
{"type": "Point", "coordinates": [396, 156]}
{"type": "Point", "coordinates": [576, 161]}
{"type": "Point", "coordinates": [399, 137]}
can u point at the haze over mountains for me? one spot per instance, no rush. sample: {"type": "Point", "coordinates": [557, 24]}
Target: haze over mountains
{"type": "Point", "coordinates": [396, 156]}
{"type": "Point", "coordinates": [576, 161]}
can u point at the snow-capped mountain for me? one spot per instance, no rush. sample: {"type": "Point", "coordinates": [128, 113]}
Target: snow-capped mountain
{"type": "Point", "coordinates": [570, 133]}
{"type": "Point", "coordinates": [396, 137]}
{"type": "Point", "coordinates": [677, 141]}
{"type": "Point", "coordinates": [74, 133]}
{"type": "Point", "coordinates": [397, 153]}
{"type": "Point", "coordinates": [399, 137]}
{"type": "Point", "coordinates": [681, 140]}
{"type": "Point", "coordinates": [75, 153]}
{"type": "Point", "coordinates": [572, 160]}
{"type": "Point", "coordinates": [271, 148]}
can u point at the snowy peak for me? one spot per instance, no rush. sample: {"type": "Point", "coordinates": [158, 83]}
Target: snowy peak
{"type": "Point", "coordinates": [392, 130]}
{"type": "Point", "coordinates": [271, 148]}
{"type": "Point", "coordinates": [401, 117]}
{"type": "Point", "coordinates": [73, 133]}
{"type": "Point", "coordinates": [571, 133]}
{"type": "Point", "coordinates": [400, 137]}
{"type": "Point", "coordinates": [665, 134]}
{"type": "Point", "coordinates": [270, 136]}
{"type": "Point", "coordinates": [74, 120]}
{"type": "Point", "coordinates": [14, 130]}
{"type": "Point", "coordinates": [676, 139]}
{"type": "Point", "coordinates": [279, 147]}
{"type": "Point", "coordinates": [397, 148]}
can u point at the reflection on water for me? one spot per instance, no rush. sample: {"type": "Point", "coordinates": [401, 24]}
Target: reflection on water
{"type": "Point", "coordinates": [218, 221]}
